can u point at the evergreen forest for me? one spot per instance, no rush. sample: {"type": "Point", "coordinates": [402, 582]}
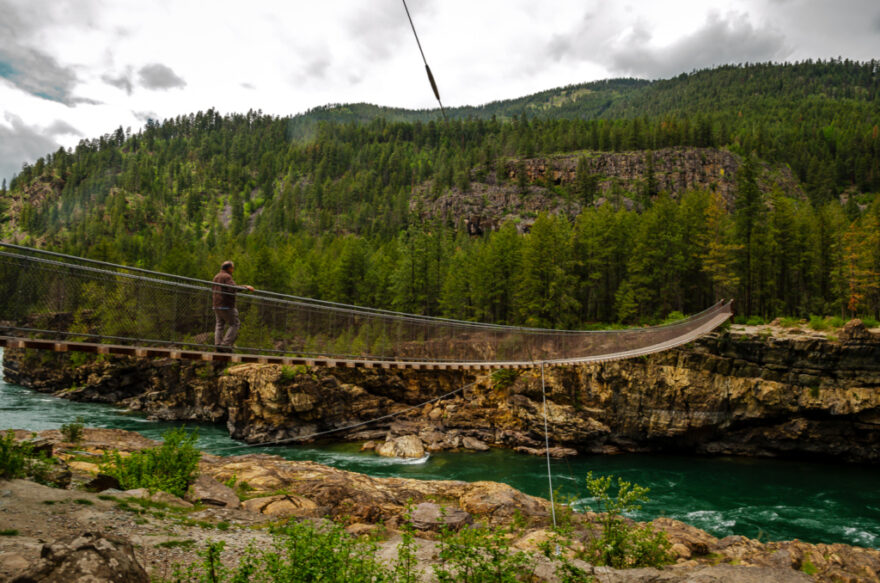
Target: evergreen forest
{"type": "Point", "coordinates": [346, 202]}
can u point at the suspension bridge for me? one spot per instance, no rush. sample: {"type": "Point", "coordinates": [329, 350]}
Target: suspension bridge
{"type": "Point", "coordinates": [57, 302]}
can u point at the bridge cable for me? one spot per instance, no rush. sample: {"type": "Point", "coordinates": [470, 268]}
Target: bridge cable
{"type": "Point", "coordinates": [424, 60]}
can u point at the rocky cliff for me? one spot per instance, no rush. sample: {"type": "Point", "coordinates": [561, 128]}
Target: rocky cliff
{"type": "Point", "coordinates": [744, 391]}
{"type": "Point", "coordinates": [523, 188]}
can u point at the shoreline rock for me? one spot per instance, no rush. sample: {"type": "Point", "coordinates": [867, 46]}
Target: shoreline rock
{"type": "Point", "coordinates": [790, 395]}
{"type": "Point", "coordinates": [279, 488]}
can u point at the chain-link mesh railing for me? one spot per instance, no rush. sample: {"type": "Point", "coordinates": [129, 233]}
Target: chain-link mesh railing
{"type": "Point", "coordinates": [54, 296]}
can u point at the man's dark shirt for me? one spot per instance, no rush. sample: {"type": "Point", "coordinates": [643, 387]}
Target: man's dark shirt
{"type": "Point", "coordinates": [224, 297]}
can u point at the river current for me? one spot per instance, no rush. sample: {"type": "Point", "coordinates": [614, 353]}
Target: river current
{"type": "Point", "coordinates": [758, 498]}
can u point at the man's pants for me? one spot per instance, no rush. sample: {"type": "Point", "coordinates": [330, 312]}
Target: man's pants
{"type": "Point", "coordinates": [226, 319]}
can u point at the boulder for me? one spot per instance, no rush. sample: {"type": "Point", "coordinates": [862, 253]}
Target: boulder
{"type": "Point", "coordinates": [406, 446]}
{"type": "Point", "coordinates": [430, 516]}
{"type": "Point", "coordinates": [89, 556]}
{"type": "Point", "coordinates": [474, 444]}
{"type": "Point", "coordinates": [500, 501]}
{"type": "Point", "coordinates": [282, 506]}
{"type": "Point", "coordinates": [207, 490]}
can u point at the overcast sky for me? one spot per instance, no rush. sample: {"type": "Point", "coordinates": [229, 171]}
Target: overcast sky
{"type": "Point", "coordinates": [75, 69]}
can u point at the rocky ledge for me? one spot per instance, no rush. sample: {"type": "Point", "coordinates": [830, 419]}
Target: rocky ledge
{"type": "Point", "coordinates": [745, 391]}
{"type": "Point", "coordinates": [55, 530]}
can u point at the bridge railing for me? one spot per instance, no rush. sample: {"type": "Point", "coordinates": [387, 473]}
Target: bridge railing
{"type": "Point", "coordinates": [49, 295]}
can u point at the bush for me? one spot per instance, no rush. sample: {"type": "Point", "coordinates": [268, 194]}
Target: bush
{"type": "Point", "coordinates": [13, 457]}
{"type": "Point", "coordinates": [819, 323]}
{"type": "Point", "coordinates": [755, 321]}
{"type": "Point", "coordinates": [73, 432]}
{"type": "Point", "coordinates": [477, 553]}
{"type": "Point", "coordinates": [302, 552]}
{"type": "Point", "coordinates": [171, 467]}
{"type": "Point", "coordinates": [17, 460]}
{"type": "Point", "coordinates": [870, 322]}
{"type": "Point", "coordinates": [623, 545]}
{"type": "Point", "coordinates": [287, 373]}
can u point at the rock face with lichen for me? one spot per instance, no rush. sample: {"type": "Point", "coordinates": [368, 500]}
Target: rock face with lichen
{"type": "Point", "coordinates": [739, 392]}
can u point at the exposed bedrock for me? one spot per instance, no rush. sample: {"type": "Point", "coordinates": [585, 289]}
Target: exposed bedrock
{"type": "Point", "coordinates": [735, 392]}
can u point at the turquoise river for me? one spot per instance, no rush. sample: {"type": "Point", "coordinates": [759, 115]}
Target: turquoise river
{"type": "Point", "coordinates": [758, 498]}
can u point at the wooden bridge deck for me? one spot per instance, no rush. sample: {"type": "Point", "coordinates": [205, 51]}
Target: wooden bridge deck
{"type": "Point", "coordinates": [189, 354]}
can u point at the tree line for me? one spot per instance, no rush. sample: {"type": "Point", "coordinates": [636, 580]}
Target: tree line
{"type": "Point", "coordinates": [328, 215]}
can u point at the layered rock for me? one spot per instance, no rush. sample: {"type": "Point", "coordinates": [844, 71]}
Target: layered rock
{"type": "Point", "coordinates": [739, 392]}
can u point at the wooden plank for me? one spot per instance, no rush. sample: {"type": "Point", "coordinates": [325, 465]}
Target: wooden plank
{"type": "Point", "coordinates": [60, 347]}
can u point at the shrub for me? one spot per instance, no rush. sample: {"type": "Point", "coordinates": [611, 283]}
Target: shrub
{"type": "Point", "coordinates": [73, 432]}
{"type": "Point", "coordinates": [790, 322]}
{"type": "Point", "coordinates": [836, 321]}
{"type": "Point", "coordinates": [621, 544]}
{"type": "Point", "coordinates": [819, 324]}
{"type": "Point", "coordinates": [755, 321]}
{"type": "Point", "coordinates": [17, 460]}
{"type": "Point", "coordinates": [870, 322]}
{"type": "Point", "coordinates": [171, 467]}
{"type": "Point", "coordinates": [287, 373]}
{"type": "Point", "coordinates": [13, 457]}
{"type": "Point", "coordinates": [302, 552]}
{"type": "Point", "coordinates": [477, 553]}
{"type": "Point", "coordinates": [504, 377]}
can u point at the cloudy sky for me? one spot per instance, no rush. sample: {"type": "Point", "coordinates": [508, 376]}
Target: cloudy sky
{"type": "Point", "coordinates": [71, 69]}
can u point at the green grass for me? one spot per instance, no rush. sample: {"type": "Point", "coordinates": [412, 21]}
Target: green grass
{"type": "Point", "coordinates": [9, 532]}
{"type": "Point", "coordinates": [83, 501]}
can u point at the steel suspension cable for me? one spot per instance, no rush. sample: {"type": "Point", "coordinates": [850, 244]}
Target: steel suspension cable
{"type": "Point", "coordinates": [424, 60]}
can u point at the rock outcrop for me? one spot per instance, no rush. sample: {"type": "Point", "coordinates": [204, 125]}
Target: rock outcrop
{"type": "Point", "coordinates": [739, 392]}
{"type": "Point", "coordinates": [90, 556]}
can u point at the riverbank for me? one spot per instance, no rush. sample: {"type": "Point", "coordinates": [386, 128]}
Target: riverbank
{"type": "Point", "coordinates": [751, 391]}
{"type": "Point", "coordinates": [280, 489]}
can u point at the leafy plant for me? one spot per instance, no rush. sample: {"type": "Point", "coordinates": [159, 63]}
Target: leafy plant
{"type": "Point", "coordinates": [477, 554]}
{"type": "Point", "coordinates": [504, 377]}
{"type": "Point", "coordinates": [171, 467]}
{"type": "Point", "coordinates": [73, 432]}
{"type": "Point", "coordinates": [303, 552]}
{"type": "Point", "coordinates": [18, 460]}
{"type": "Point", "coordinates": [621, 544]}
{"type": "Point", "coordinates": [12, 457]}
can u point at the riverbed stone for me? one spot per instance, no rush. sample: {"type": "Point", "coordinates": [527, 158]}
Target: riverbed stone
{"type": "Point", "coordinates": [406, 446]}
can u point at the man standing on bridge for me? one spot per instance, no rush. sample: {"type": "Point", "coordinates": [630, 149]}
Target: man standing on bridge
{"type": "Point", "coordinates": [225, 311]}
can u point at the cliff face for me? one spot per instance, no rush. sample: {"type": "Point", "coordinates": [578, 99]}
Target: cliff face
{"type": "Point", "coordinates": [730, 393]}
{"type": "Point", "coordinates": [616, 176]}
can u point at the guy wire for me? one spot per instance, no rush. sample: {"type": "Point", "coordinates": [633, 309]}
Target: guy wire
{"type": "Point", "coordinates": [424, 60]}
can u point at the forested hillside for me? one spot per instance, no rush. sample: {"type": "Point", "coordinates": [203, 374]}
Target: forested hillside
{"type": "Point", "coordinates": [617, 201]}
